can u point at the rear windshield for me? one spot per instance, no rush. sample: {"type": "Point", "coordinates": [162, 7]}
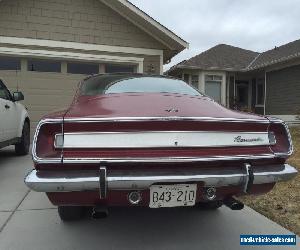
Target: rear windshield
{"type": "Point", "coordinates": [101, 85]}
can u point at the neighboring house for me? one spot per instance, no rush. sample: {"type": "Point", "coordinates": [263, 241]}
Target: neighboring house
{"type": "Point", "coordinates": [47, 46]}
{"type": "Point", "coordinates": [265, 83]}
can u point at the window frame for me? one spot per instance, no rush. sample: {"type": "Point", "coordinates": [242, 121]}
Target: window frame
{"type": "Point", "coordinates": [38, 60]}
{"type": "Point", "coordinates": [15, 58]}
{"type": "Point", "coordinates": [82, 63]}
{"type": "Point", "coordinates": [106, 65]}
{"type": "Point", "coordinates": [215, 78]}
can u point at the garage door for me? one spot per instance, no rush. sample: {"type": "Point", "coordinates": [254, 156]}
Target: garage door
{"type": "Point", "coordinates": [49, 85]}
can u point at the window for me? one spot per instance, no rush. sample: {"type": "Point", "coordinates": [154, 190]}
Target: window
{"type": "Point", "coordinates": [44, 66]}
{"type": "Point", "coordinates": [260, 92]}
{"type": "Point", "coordinates": [112, 84]}
{"type": "Point", "coordinates": [10, 63]}
{"type": "Point", "coordinates": [83, 68]}
{"type": "Point", "coordinates": [114, 68]}
{"type": "Point", "coordinates": [4, 93]}
{"type": "Point", "coordinates": [195, 81]}
{"type": "Point", "coordinates": [186, 78]}
{"type": "Point", "coordinates": [213, 87]}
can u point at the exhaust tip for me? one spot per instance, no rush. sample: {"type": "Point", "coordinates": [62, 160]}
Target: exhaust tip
{"type": "Point", "coordinates": [134, 197]}
{"type": "Point", "coordinates": [233, 204]}
{"type": "Point", "coordinates": [211, 193]}
{"type": "Point", "coordinates": [99, 213]}
{"type": "Point", "coordinates": [237, 206]}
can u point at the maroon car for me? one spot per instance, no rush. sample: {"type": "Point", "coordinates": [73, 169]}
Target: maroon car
{"type": "Point", "coordinates": [139, 140]}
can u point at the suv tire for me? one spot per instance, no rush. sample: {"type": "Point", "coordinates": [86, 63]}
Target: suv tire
{"type": "Point", "coordinates": [22, 148]}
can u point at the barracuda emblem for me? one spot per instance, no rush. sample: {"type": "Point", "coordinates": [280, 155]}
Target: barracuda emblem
{"type": "Point", "coordinates": [172, 110]}
{"type": "Point", "coordinates": [241, 140]}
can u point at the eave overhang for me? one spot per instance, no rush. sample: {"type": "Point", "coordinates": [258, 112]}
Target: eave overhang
{"type": "Point", "coordinates": [173, 43]}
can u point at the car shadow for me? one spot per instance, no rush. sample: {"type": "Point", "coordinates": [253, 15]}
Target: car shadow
{"type": "Point", "coordinates": [8, 154]}
{"type": "Point", "coordinates": [136, 227]}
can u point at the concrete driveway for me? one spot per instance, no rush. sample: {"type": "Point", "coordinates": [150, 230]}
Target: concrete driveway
{"type": "Point", "coordinates": [29, 221]}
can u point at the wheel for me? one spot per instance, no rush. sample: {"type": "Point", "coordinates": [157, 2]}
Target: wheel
{"type": "Point", "coordinates": [210, 205]}
{"type": "Point", "coordinates": [70, 213]}
{"type": "Point", "coordinates": [22, 148]}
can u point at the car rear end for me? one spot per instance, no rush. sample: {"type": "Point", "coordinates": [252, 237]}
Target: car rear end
{"type": "Point", "coordinates": [138, 140]}
{"type": "Point", "coordinates": [157, 162]}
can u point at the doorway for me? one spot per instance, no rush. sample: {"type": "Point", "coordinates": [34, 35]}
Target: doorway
{"type": "Point", "coordinates": [242, 95]}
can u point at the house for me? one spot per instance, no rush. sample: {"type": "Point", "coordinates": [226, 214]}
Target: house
{"type": "Point", "coordinates": [47, 47]}
{"type": "Point", "coordinates": [266, 83]}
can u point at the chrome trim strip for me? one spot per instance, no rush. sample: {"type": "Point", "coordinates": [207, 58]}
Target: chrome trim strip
{"type": "Point", "coordinates": [168, 118]}
{"type": "Point", "coordinates": [291, 148]}
{"type": "Point", "coordinates": [160, 139]}
{"type": "Point", "coordinates": [37, 159]}
{"type": "Point", "coordinates": [155, 160]}
{"type": "Point", "coordinates": [60, 181]}
{"type": "Point", "coordinates": [166, 159]}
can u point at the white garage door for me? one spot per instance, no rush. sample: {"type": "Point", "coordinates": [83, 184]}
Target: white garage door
{"type": "Point", "coordinates": [49, 85]}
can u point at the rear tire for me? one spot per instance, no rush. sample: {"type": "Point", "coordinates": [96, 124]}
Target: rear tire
{"type": "Point", "coordinates": [22, 148]}
{"type": "Point", "coordinates": [70, 213]}
{"type": "Point", "coordinates": [210, 205]}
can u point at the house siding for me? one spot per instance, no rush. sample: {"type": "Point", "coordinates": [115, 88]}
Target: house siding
{"type": "Point", "coordinates": [73, 21]}
{"type": "Point", "coordinates": [152, 65]}
{"type": "Point", "coordinates": [283, 91]}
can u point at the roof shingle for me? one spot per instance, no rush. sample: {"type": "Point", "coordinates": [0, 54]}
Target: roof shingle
{"type": "Point", "coordinates": [230, 58]}
{"type": "Point", "coordinates": [276, 55]}
{"type": "Point", "coordinates": [221, 57]}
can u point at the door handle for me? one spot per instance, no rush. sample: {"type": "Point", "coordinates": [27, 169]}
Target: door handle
{"type": "Point", "coordinates": [6, 106]}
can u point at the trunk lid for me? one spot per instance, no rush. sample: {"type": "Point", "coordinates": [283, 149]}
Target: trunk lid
{"type": "Point", "coordinates": [91, 120]}
{"type": "Point", "coordinates": [151, 105]}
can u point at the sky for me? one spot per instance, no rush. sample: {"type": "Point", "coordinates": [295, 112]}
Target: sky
{"type": "Point", "coordinates": [257, 25]}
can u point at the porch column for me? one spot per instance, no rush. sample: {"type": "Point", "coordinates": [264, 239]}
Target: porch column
{"type": "Point", "coordinates": [201, 82]}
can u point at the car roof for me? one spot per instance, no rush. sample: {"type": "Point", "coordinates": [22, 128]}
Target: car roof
{"type": "Point", "coordinates": [128, 75]}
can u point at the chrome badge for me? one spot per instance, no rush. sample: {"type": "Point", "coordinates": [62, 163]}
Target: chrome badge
{"type": "Point", "coordinates": [240, 139]}
{"type": "Point", "coordinates": [172, 110]}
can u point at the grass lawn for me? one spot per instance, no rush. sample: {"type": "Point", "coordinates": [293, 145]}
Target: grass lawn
{"type": "Point", "coordinates": [282, 204]}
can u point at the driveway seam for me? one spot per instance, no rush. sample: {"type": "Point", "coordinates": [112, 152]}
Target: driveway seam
{"type": "Point", "coordinates": [35, 209]}
{"type": "Point", "coordinates": [14, 211]}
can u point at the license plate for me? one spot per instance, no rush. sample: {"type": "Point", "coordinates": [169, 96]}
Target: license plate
{"type": "Point", "coordinates": [179, 195]}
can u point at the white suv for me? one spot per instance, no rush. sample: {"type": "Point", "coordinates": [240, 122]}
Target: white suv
{"type": "Point", "coordinates": [14, 121]}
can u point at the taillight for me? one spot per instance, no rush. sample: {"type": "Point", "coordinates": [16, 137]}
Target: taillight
{"type": "Point", "coordinates": [43, 149]}
{"type": "Point", "coordinates": [280, 139]}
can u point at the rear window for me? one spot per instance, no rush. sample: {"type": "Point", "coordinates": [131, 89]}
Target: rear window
{"type": "Point", "coordinates": [108, 84]}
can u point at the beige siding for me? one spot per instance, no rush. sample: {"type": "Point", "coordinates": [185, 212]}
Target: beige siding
{"type": "Point", "coordinates": [152, 62]}
{"type": "Point", "coordinates": [283, 91]}
{"type": "Point", "coordinates": [85, 21]}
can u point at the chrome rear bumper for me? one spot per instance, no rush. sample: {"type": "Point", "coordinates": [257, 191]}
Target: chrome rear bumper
{"type": "Point", "coordinates": [71, 181]}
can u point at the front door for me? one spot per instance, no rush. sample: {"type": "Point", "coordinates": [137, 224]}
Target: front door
{"type": "Point", "coordinates": [242, 95]}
